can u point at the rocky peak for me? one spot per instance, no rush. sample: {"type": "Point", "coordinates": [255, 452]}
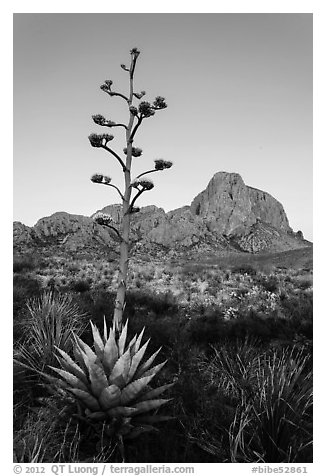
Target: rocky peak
{"type": "Point", "coordinates": [229, 207]}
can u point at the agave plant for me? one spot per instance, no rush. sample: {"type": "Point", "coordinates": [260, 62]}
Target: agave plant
{"type": "Point", "coordinates": [111, 383]}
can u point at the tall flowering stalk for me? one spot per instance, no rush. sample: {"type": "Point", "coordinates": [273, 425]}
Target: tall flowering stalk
{"type": "Point", "coordinates": [133, 187]}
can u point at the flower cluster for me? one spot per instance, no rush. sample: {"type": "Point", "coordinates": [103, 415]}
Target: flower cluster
{"type": "Point", "coordinates": [145, 184]}
{"type": "Point", "coordinates": [159, 103]}
{"type": "Point", "coordinates": [106, 86]}
{"type": "Point", "coordinates": [135, 151]}
{"type": "Point", "coordinates": [100, 140]}
{"type": "Point", "coordinates": [101, 121]}
{"type": "Point", "coordinates": [146, 109]}
{"type": "Point", "coordinates": [161, 164]}
{"type": "Point", "coordinates": [97, 178]}
{"type": "Point", "coordinates": [102, 218]}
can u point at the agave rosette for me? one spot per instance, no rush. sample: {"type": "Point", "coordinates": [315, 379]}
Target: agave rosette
{"type": "Point", "coordinates": [111, 382]}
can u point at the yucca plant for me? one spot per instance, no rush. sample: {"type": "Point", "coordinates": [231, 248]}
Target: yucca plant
{"type": "Point", "coordinates": [111, 384]}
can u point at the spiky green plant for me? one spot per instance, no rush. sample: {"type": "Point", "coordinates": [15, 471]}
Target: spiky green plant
{"type": "Point", "coordinates": [111, 383]}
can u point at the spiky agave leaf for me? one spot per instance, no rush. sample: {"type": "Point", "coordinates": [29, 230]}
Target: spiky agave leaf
{"type": "Point", "coordinates": [144, 367]}
{"type": "Point", "coordinates": [87, 353]}
{"type": "Point", "coordinates": [136, 359]}
{"type": "Point", "coordinates": [153, 393]}
{"type": "Point", "coordinates": [71, 379]}
{"type": "Point", "coordinates": [69, 365]}
{"type": "Point", "coordinates": [147, 405]}
{"type": "Point", "coordinates": [98, 342]}
{"type": "Point", "coordinates": [105, 331]}
{"type": "Point", "coordinates": [122, 411]}
{"type": "Point", "coordinates": [111, 352]}
{"type": "Point", "coordinates": [131, 391]}
{"type": "Point", "coordinates": [109, 397]}
{"type": "Point", "coordinates": [97, 378]}
{"type": "Point", "coordinates": [86, 398]}
{"type": "Point", "coordinates": [154, 370]}
{"type": "Point", "coordinates": [121, 369]}
{"type": "Point", "coordinates": [122, 338]}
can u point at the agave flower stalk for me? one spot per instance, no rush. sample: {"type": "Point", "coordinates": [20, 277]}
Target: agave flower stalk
{"type": "Point", "coordinates": [111, 383]}
{"type": "Point", "coordinates": [137, 114]}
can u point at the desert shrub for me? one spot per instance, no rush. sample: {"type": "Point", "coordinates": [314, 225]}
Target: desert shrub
{"type": "Point", "coordinates": [206, 329]}
{"type": "Point", "coordinates": [24, 288]}
{"type": "Point", "coordinates": [81, 285]}
{"type": "Point", "coordinates": [298, 307]}
{"type": "Point", "coordinates": [50, 321]}
{"type": "Point", "coordinates": [23, 263]}
{"type": "Point", "coordinates": [269, 283]}
{"type": "Point", "coordinates": [148, 301]}
{"type": "Point", "coordinates": [244, 268]}
{"type": "Point", "coordinates": [274, 394]}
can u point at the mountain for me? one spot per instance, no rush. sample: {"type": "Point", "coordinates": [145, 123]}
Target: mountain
{"type": "Point", "coordinates": [228, 216]}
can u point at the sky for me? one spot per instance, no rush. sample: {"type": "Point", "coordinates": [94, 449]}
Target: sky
{"type": "Point", "coordinates": [239, 94]}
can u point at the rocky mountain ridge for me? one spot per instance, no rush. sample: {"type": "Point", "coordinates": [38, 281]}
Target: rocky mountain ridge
{"type": "Point", "coordinates": [227, 216]}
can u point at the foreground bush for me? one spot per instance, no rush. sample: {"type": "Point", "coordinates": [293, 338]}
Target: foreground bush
{"type": "Point", "coordinates": [273, 391]}
{"type": "Point", "coordinates": [49, 324]}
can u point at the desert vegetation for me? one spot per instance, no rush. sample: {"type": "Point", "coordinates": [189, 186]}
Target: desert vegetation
{"type": "Point", "coordinates": [237, 340]}
{"type": "Point", "coordinates": [132, 358]}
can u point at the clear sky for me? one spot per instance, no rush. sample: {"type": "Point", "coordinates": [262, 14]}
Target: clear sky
{"type": "Point", "coordinates": [239, 94]}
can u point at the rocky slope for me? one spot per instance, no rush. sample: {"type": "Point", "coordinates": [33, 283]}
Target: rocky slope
{"type": "Point", "coordinates": [227, 216]}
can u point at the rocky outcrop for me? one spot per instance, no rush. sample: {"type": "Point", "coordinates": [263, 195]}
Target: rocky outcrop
{"type": "Point", "coordinates": [227, 216]}
{"type": "Point", "coordinates": [229, 207]}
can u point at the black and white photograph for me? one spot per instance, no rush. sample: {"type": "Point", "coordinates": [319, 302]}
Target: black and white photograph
{"type": "Point", "coordinates": [162, 240]}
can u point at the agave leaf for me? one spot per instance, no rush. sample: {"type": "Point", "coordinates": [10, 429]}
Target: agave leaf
{"type": "Point", "coordinates": [88, 354]}
{"type": "Point", "coordinates": [144, 367]}
{"type": "Point", "coordinates": [121, 411]}
{"type": "Point", "coordinates": [138, 431]}
{"type": "Point", "coordinates": [151, 418]}
{"type": "Point", "coordinates": [134, 388]}
{"type": "Point", "coordinates": [147, 405]}
{"type": "Point", "coordinates": [110, 354]}
{"type": "Point", "coordinates": [98, 379]}
{"type": "Point", "coordinates": [80, 357]}
{"type": "Point", "coordinates": [155, 392]}
{"type": "Point", "coordinates": [98, 343]}
{"type": "Point", "coordinates": [154, 370]}
{"type": "Point", "coordinates": [71, 379]}
{"type": "Point", "coordinates": [86, 398]}
{"type": "Point", "coordinates": [131, 345]}
{"type": "Point", "coordinates": [105, 331]}
{"type": "Point", "coordinates": [122, 339]}
{"type": "Point", "coordinates": [138, 341]}
{"type": "Point", "coordinates": [136, 360]}
{"type": "Point", "coordinates": [71, 366]}
{"type": "Point", "coordinates": [110, 396]}
{"type": "Point", "coordinates": [97, 416]}
{"type": "Point", "coordinates": [121, 369]}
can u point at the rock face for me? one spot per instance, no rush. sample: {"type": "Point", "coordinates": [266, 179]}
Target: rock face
{"type": "Point", "coordinates": [229, 207]}
{"type": "Point", "coordinates": [227, 216]}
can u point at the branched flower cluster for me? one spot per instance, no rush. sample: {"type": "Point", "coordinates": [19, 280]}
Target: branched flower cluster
{"type": "Point", "coordinates": [159, 103]}
{"type": "Point", "coordinates": [101, 121]}
{"type": "Point", "coordinates": [100, 140]}
{"type": "Point", "coordinates": [161, 164]}
{"type": "Point", "coordinates": [106, 86]}
{"type": "Point", "coordinates": [102, 218]}
{"type": "Point", "coordinates": [97, 178]}
{"type": "Point", "coordinates": [144, 184]}
{"type": "Point", "coordinates": [135, 151]}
